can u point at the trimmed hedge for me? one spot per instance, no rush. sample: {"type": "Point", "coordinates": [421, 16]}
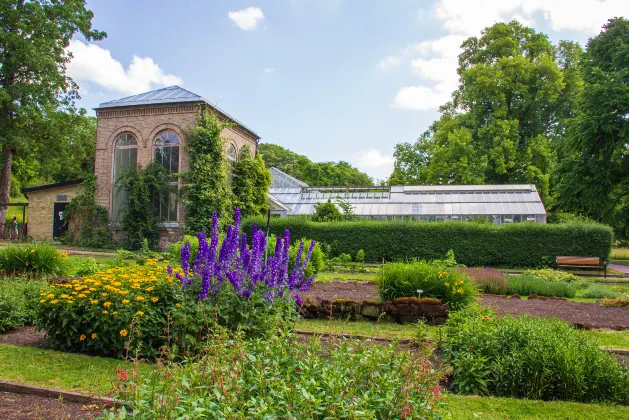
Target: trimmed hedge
{"type": "Point", "coordinates": [514, 245]}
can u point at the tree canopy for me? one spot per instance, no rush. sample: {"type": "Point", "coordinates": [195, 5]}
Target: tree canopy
{"type": "Point", "coordinates": [506, 120]}
{"type": "Point", "coordinates": [312, 173]}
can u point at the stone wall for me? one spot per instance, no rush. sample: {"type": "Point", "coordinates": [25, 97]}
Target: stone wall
{"type": "Point", "coordinates": [41, 208]}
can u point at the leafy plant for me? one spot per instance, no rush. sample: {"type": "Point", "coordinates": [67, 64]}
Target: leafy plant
{"type": "Point", "coordinates": [488, 280]}
{"type": "Point", "coordinates": [326, 212]}
{"type": "Point", "coordinates": [360, 256]}
{"type": "Point", "coordinates": [527, 284]}
{"type": "Point", "coordinates": [598, 291]}
{"type": "Point", "coordinates": [238, 378]}
{"type": "Point", "coordinates": [16, 302]}
{"type": "Point", "coordinates": [251, 182]}
{"type": "Point", "coordinates": [548, 274]}
{"type": "Point", "coordinates": [41, 258]}
{"type": "Point", "coordinates": [531, 357]}
{"type": "Point", "coordinates": [397, 280]}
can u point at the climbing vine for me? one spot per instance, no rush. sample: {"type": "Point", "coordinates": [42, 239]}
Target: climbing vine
{"type": "Point", "coordinates": [88, 223]}
{"type": "Point", "coordinates": [206, 184]}
{"type": "Point", "coordinates": [251, 181]}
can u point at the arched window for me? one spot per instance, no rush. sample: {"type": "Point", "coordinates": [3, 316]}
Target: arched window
{"type": "Point", "coordinates": [232, 156]}
{"type": "Point", "coordinates": [125, 156]}
{"type": "Point", "coordinates": [166, 152]}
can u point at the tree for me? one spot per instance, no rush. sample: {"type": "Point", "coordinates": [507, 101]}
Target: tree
{"type": "Point", "coordinates": [505, 120]}
{"type": "Point", "coordinates": [326, 212]}
{"type": "Point", "coordinates": [312, 173]}
{"type": "Point", "coordinates": [251, 182]}
{"type": "Point", "coordinates": [206, 184]}
{"type": "Point", "coordinates": [33, 81]}
{"type": "Point", "coordinates": [595, 172]}
{"type": "Point", "coordinates": [347, 208]}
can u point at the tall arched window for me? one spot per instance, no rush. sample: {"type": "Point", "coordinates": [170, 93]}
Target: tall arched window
{"type": "Point", "coordinates": [232, 156]}
{"type": "Point", "coordinates": [166, 152]}
{"type": "Point", "coordinates": [125, 156]}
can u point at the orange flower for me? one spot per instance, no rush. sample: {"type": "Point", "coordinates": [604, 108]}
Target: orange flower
{"type": "Point", "coordinates": [124, 333]}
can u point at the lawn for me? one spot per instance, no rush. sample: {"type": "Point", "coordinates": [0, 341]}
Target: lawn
{"type": "Point", "coordinates": [620, 254]}
{"type": "Point", "coordinates": [489, 408]}
{"type": "Point", "coordinates": [327, 277]}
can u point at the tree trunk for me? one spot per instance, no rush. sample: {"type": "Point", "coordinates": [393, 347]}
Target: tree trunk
{"type": "Point", "coordinates": [5, 182]}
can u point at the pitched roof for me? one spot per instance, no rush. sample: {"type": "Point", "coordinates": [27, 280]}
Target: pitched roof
{"type": "Point", "coordinates": [51, 186]}
{"type": "Point", "coordinates": [168, 95]}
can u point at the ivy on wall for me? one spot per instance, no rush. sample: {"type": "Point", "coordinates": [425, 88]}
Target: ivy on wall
{"type": "Point", "coordinates": [206, 184]}
{"type": "Point", "coordinates": [87, 221]}
{"type": "Point", "coordinates": [250, 184]}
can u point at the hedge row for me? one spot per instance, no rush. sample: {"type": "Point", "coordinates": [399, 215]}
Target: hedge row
{"type": "Point", "coordinates": [515, 245]}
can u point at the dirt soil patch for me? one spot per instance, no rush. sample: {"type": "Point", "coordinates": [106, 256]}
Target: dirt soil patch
{"type": "Point", "coordinates": [27, 407]}
{"type": "Point", "coordinates": [586, 315]}
{"type": "Point", "coordinates": [26, 336]}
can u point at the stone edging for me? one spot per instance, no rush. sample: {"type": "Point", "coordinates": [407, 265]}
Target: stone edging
{"type": "Point", "coordinates": [54, 393]}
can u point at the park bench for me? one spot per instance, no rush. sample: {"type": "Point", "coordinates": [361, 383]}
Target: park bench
{"type": "Point", "coordinates": [581, 263]}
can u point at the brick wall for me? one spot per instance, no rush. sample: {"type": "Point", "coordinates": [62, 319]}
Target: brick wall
{"type": "Point", "coordinates": [41, 208]}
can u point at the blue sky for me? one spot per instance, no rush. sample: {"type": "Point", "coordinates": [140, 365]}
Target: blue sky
{"type": "Point", "coordinates": [330, 79]}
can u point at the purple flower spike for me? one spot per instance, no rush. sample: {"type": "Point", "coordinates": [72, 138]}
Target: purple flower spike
{"type": "Point", "coordinates": [185, 258]}
{"type": "Point", "coordinates": [170, 270]}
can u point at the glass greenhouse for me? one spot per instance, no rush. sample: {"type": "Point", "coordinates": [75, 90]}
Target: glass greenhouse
{"type": "Point", "coordinates": [433, 203]}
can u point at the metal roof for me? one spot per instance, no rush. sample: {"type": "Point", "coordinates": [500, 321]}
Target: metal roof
{"type": "Point", "coordinates": [434, 200]}
{"type": "Point", "coordinates": [167, 95]}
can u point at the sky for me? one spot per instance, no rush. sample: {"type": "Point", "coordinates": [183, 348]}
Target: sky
{"type": "Point", "coordinates": [330, 79]}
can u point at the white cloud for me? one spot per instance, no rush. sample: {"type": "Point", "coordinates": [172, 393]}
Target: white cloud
{"type": "Point", "coordinates": [372, 158]}
{"type": "Point", "coordinates": [92, 63]}
{"type": "Point", "coordinates": [268, 70]}
{"type": "Point", "coordinates": [247, 19]}
{"type": "Point", "coordinates": [389, 63]}
{"type": "Point", "coordinates": [437, 61]}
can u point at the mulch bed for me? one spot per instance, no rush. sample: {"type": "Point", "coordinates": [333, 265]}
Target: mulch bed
{"type": "Point", "coordinates": [26, 336]}
{"type": "Point", "coordinates": [587, 315]}
{"type": "Point", "coordinates": [27, 407]}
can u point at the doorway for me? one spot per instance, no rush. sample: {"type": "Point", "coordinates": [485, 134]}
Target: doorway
{"type": "Point", "coordinates": [59, 227]}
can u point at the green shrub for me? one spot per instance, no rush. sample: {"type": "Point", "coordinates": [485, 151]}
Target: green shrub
{"type": "Point", "coordinates": [549, 274]}
{"type": "Point", "coordinates": [174, 249]}
{"type": "Point", "coordinates": [16, 302]}
{"type": "Point", "coordinates": [527, 284]}
{"type": "Point", "coordinates": [476, 245]}
{"type": "Point", "coordinates": [452, 287]}
{"type": "Point", "coordinates": [39, 258]}
{"type": "Point", "coordinates": [598, 291]}
{"type": "Point", "coordinates": [528, 357]}
{"type": "Point", "coordinates": [279, 377]}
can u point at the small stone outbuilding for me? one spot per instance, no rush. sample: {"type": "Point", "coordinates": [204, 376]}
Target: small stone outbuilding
{"type": "Point", "coordinates": [46, 205]}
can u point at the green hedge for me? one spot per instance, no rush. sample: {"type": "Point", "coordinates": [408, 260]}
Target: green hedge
{"type": "Point", "coordinates": [515, 245]}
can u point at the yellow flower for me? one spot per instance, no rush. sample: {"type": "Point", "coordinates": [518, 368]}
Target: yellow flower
{"type": "Point", "coordinates": [94, 336]}
{"type": "Point", "coordinates": [104, 294]}
{"type": "Point", "coordinates": [42, 301]}
{"type": "Point", "coordinates": [154, 299]}
{"type": "Point", "coordinates": [125, 301]}
{"type": "Point", "coordinates": [149, 289]}
{"type": "Point", "coordinates": [139, 313]}
{"type": "Point", "coordinates": [32, 250]}
{"type": "Point", "coordinates": [114, 312]}
{"type": "Point", "coordinates": [139, 298]}
{"type": "Point", "coordinates": [64, 296]}
{"type": "Point", "coordinates": [82, 337]}
{"type": "Point", "coordinates": [107, 304]}
{"type": "Point", "coordinates": [105, 312]}
{"type": "Point", "coordinates": [93, 302]}
{"type": "Point", "coordinates": [54, 302]}
{"type": "Point", "coordinates": [82, 295]}
{"type": "Point", "coordinates": [123, 333]}
{"type": "Point", "coordinates": [178, 305]}
{"type": "Point", "coordinates": [460, 291]}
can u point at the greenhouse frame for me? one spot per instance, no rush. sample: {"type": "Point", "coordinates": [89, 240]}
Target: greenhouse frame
{"type": "Point", "coordinates": [498, 204]}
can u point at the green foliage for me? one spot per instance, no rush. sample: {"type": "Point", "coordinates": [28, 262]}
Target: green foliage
{"type": "Point", "coordinates": [488, 280]}
{"type": "Point", "coordinates": [312, 173]}
{"type": "Point", "coordinates": [143, 188]}
{"type": "Point", "coordinates": [326, 212]}
{"type": "Point", "coordinates": [174, 249]}
{"type": "Point", "coordinates": [40, 258]}
{"type": "Point", "coordinates": [251, 182]}
{"type": "Point", "coordinates": [452, 287]}
{"type": "Point", "coordinates": [528, 357]}
{"type": "Point", "coordinates": [549, 274]}
{"type": "Point", "coordinates": [88, 222]}
{"type": "Point", "coordinates": [16, 302]}
{"type": "Point", "coordinates": [527, 284]}
{"type": "Point", "coordinates": [238, 378]}
{"type": "Point", "coordinates": [206, 184]}
{"type": "Point", "coordinates": [347, 208]}
{"type": "Point", "coordinates": [506, 120]}
{"type": "Point", "coordinates": [473, 244]}
{"type": "Point", "coordinates": [598, 291]}
{"type": "Point", "coordinates": [559, 216]}
{"type": "Point", "coordinates": [360, 256]}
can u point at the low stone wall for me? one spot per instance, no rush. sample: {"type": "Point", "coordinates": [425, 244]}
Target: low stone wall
{"type": "Point", "coordinates": [402, 310]}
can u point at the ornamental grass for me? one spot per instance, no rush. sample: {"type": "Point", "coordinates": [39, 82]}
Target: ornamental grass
{"type": "Point", "coordinates": [39, 258]}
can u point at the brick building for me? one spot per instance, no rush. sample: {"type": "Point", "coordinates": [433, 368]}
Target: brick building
{"type": "Point", "coordinates": [137, 130]}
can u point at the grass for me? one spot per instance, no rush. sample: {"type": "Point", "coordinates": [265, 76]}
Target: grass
{"type": "Point", "coordinates": [327, 277]}
{"type": "Point", "coordinates": [373, 329]}
{"type": "Point", "coordinates": [58, 370]}
{"type": "Point", "coordinates": [610, 338]}
{"type": "Point", "coordinates": [490, 408]}
{"type": "Point", "coordinates": [620, 254]}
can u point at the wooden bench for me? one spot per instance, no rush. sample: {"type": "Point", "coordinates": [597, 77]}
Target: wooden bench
{"type": "Point", "coordinates": [581, 263]}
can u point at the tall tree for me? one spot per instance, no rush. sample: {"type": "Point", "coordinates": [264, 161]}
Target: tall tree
{"type": "Point", "coordinates": [34, 36]}
{"type": "Point", "coordinates": [312, 173]}
{"type": "Point", "coordinates": [595, 171]}
{"type": "Point", "coordinates": [500, 124]}
{"type": "Point", "coordinates": [251, 182]}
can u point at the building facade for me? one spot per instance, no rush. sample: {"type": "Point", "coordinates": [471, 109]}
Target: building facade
{"type": "Point", "coordinates": [152, 127]}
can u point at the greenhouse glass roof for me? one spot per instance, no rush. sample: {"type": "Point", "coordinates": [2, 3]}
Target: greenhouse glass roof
{"type": "Point", "coordinates": [502, 203]}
